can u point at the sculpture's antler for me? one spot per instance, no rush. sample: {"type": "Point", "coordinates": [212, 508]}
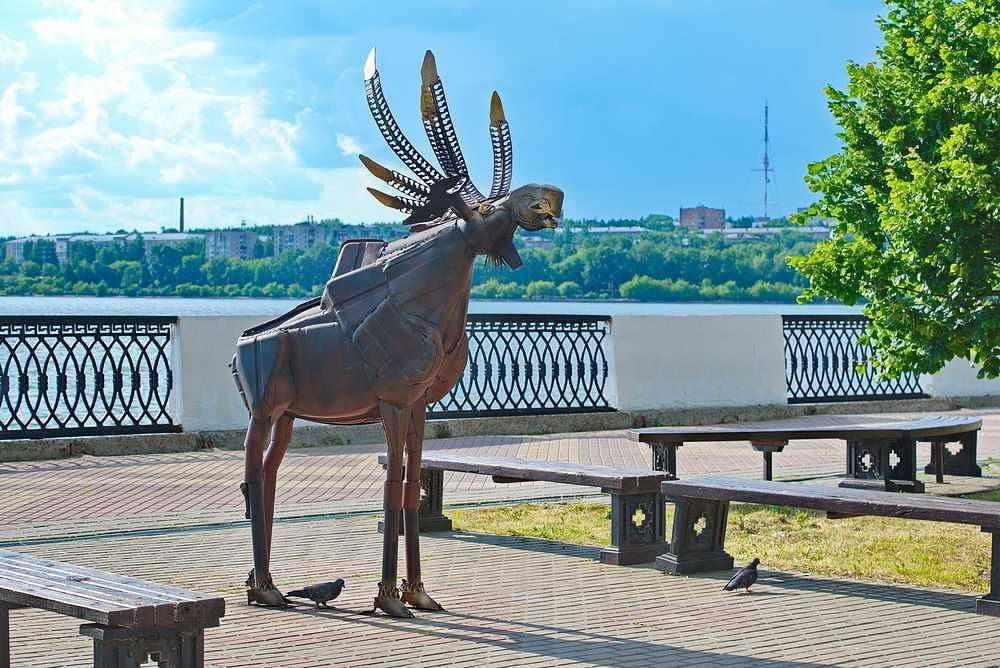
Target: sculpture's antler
{"type": "Point", "coordinates": [441, 131]}
{"type": "Point", "coordinates": [503, 158]}
{"type": "Point", "coordinates": [389, 128]}
{"type": "Point", "coordinates": [428, 197]}
{"type": "Point", "coordinates": [400, 182]}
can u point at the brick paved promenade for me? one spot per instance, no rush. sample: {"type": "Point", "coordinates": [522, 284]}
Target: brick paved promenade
{"type": "Point", "coordinates": [178, 519]}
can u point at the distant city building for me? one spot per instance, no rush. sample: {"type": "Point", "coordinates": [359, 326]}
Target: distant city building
{"type": "Point", "coordinates": [14, 249]}
{"type": "Point", "coordinates": [622, 229]}
{"type": "Point", "coordinates": [817, 221]}
{"type": "Point", "coordinates": [239, 244]}
{"type": "Point", "coordinates": [757, 233]}
{"type": "Point", "coordinates": [300, 236]}
{"type": "Point", "coordinates": [702, 218]}
{"type": "Point", "coordinates": [537, 241]}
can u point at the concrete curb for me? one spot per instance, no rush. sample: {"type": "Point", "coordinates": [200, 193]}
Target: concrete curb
{"type": "Point", "coordinates": [311, 435]}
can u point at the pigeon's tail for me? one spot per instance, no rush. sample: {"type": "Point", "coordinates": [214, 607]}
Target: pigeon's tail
{"type": "Point", "coordinates": [298, 593]}
{"type": "Point", "coordinates": [729, 587]}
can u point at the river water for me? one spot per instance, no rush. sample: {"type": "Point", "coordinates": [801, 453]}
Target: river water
{"type": "Point", "coordinates": [270, 307]}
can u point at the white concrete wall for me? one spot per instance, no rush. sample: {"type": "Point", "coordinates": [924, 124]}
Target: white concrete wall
{"type": "Point", "coordinates": [958, 379]}
{"type": "Point", "coordinates": [655, 362]}
{"type": "Point", "coordinates": [672, 361]}
{"type": "Point", "coordinates": [204, 395]}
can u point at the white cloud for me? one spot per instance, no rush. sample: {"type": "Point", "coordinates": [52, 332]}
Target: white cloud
{"type": "Point", "coordinates": [149, 112]}
{"type": "Point", "coordinates": [12, 52]}
{"type": "Point", "coordinates": [348, 145]}
{"type": "Point", "coordinates": [176, 174]}
{"type": "Point", "coordinates": [11, 111]}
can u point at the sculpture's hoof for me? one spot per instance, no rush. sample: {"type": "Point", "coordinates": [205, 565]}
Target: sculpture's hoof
{"type": "Point", "coordinates": [416, 597]}
{"type": "Point", "coordinates": [388, 602]}
{"type": "Point", "coordinates": [271, 598]}
{"type": "Point", "coordinates": [267, 595]}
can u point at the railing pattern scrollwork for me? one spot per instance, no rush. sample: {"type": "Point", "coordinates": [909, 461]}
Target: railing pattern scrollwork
{"type": "Point", "coordinates": [81, 375]}
{"type": "Point", "coordinates": [531, 365]}
{"type": "Point", "coordinates": [825, 361]}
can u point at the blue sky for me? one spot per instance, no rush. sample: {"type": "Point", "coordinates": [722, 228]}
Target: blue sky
{"type": "Point", "coordinates": [255, 110]}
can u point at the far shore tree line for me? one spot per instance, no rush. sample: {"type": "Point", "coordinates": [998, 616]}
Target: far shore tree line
{"type": "Point", "coordinates": [667, 263]}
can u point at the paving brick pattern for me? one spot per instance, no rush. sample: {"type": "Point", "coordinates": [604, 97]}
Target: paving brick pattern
{"type": "Point", "coordinates": [198, 487]}
{"type": "Point", "coordinates": [521, 602]}
{"type": "Point", "coordinates": [177, 519]}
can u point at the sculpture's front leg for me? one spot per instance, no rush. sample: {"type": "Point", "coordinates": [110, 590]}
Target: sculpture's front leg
{"type": "Point", "coordinates": [260, 588]}
{"type": "Point", "coordinates": [396, 423]}
{"type": "Point", "coordinates": [414, 594]}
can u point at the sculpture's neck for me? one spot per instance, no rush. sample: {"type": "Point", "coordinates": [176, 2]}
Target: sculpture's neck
{"type": "Point", "coordinates": [482, 233]}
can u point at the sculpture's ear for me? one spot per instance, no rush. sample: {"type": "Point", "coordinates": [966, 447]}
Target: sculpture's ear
{"type": "Point", "coordinates": [505, 249]}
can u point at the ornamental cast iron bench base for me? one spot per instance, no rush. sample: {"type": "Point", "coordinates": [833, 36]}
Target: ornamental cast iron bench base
{"type": "Point", "coordinates": [699, 532]}
{"type": "Point", "coordinates": [132, 620]}
{"type": "Point", "coordinates": [638, 526]}
{"type": "Point", "coordinates": [881, 452]}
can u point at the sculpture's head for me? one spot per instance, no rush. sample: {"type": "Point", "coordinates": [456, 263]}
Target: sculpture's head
{"type": "Point", "coordinates": [532, 207]}
{"type": "Point", "coordinates": [535, 207]}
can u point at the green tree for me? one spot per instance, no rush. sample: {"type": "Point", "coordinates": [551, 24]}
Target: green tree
{"type": "Point", "coordinates": [916, 189]}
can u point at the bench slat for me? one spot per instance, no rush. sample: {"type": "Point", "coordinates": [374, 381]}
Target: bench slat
{"type": "Point", "coordinates": [622, 480]}
{"type": "Point", "coordinates": [812, 427]}
{"type": "Point", "coordinates": [146, 611]}
{"type": "Point", "coordinates": [146, 587]}
{"type": "Point", "coordinates": [100, 596]}
{"type": "Point", "coordinates": [839, 500]}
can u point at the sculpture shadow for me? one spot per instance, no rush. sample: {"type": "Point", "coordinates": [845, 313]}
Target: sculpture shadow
{"type": "Point", "coordinates": [551, 641]}
{"type": "Point", "coordinates": [769, 580]}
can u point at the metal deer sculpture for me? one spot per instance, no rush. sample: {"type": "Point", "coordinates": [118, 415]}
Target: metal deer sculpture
{"type": "Point", "coordinates": [387, 337]}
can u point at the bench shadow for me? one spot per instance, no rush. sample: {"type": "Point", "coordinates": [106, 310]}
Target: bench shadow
{"type": "Point", "coordinates": [548, 640]}
{"type": "Point", "coordinates": [789, 582]}
{"type": "Point", "coordinates": [874, 591]}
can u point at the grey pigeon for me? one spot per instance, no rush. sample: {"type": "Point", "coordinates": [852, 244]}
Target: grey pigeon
{"type": "Point", "coordinates": [320, 594]}
{"type": "Point", "coordinates": [744, 578]}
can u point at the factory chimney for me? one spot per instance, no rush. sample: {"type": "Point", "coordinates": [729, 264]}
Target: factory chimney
{"type": "Point", "coordinates": [182, 215]}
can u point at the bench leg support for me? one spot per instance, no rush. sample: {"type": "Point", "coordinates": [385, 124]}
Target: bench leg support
{"type": "Point", "coordinates": [962, 462]}
{"type": "Point", "coordinates": [888, 465]}
{"type": "Point", "coordinates": [638, 529]}
{"type": "Point", "coordinates": [990, 604]}
{"type": "Point", "coordinates": [767, 449]}
{"type": "Point", "coordinates": [699, 536]}
{"type": "Point", "coordinates": [664, 457]}
{"type": "Point", "coordinates": [116, 647]}
{"type": "Point", "coordinates": [432, 517]}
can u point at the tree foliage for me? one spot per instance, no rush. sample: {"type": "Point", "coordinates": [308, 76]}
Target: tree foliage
{"type": "Point", "coordinates": [916, 189]}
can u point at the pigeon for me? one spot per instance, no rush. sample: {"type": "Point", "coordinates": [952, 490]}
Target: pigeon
{"type": "Point", "coordinates": [320, 594]}
{"type": "Point", "coordinates": [744, 578]}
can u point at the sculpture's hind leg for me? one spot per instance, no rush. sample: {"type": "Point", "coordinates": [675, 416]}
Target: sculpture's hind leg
{"type": "Point", "coordinates": [281, 436]}
{"type": "Point", "coordinates": [260, 588]}
{"type": "Point", "coordinates": [414, 594]}
{"type": "Point", "coordinates": [396, 422]}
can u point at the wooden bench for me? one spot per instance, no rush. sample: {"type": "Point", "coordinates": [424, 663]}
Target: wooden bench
{"type": "Point", "coordinates": [637, 507]}
{"type": "Point", "coordinates": [702, 506]}
{"type": "Point", "coordinates": [131, 619]}
{"type": "Point", "coordinates": [881, 452]}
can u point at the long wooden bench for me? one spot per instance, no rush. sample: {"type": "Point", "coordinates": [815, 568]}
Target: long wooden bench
{"type": "Point", "coordinates": [702, 506]}
{"type": "Point", "coordinates": [881, 452]}
{"type": "Point", "coordinates": [637, 507]}
{"type": "Point", "coordinates": [131, 619]}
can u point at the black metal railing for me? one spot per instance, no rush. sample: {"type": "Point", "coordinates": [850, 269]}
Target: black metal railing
{"type": "Point", "coordinates": [531, 365]}
{"type": "Point", "coordinates": [825, 361]}
{"type": "Point", "coordinates": [82, 375]}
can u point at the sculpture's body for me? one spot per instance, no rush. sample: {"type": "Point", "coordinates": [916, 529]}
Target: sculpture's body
{"type": "Point", "coordinates": [388, 335]}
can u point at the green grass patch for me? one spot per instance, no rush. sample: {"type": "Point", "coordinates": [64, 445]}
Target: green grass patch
{"type": "Point", "coordinates": [925, 554]}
